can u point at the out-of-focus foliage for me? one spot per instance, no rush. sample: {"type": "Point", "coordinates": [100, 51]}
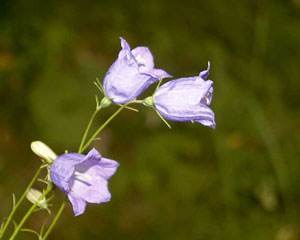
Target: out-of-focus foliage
{"type": "Point", "coordinates": [240, 181]}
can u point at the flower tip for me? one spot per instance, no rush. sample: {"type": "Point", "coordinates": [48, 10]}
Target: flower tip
{"type": "Point", "coordinates": [168, 75]}
{"type": "Point", "coordinates": [93, 154]}
{"type": "Point", "coordinates": [107, 199]}
{"type": "Point", "coordinates": [76, 214]}
{"type": "Point", "coordinates": [204, 74]}
{"type": "Point", "coordinates": [124, 44]}
{"type": "Point", "coordinates": [159, 73]}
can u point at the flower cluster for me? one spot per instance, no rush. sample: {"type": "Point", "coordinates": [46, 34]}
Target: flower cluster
{"type": "Point", "coordinates": [84, 178]}
{"type": "Point", "coordinates": [184, 99]}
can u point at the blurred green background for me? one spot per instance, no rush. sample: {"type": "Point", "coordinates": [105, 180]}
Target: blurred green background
{"type": "Point", "coordinates": [240, 181]}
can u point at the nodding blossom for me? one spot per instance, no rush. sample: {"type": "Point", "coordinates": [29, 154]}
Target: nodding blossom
{"type": "Point", "coordinates": [186, 99]}
{"type": "Point", "coordinates": [131, 74]}
{"type": "Point", "coordinates": [83, 178]}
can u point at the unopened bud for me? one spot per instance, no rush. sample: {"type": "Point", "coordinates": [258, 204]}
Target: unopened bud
{"type": "Point", "coordinates": [43, 151]}
{"type": "Point", "coordinates": [34, 195]}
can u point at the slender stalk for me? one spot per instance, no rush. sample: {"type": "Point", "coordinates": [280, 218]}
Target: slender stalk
{"type": "Point", "coordinates": [101, 127]}
{"type": "Point", "coordinates": [29, 212]}
{"type": "Point", "coordinates": [137, 101]}
{"type": "Point", "coordinates": [54, 220]}
{"type": "Point", "coordinates": [19, 202]}
{"type": "Point", "coordinates": [88, 128]}
{"type": "Point", "coordinates": [80, 150]}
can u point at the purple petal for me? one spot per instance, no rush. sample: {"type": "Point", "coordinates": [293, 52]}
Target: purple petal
{"type": "Point", "coordinates": [207, 118]}
{"type": "Point", "coordinates": [93, 191]}
{"type": "Point", "coordinates": [123, 83]}
{"type": "Point", "coordinates": [208, 123]}
{"type": "Point", "coordinates": [83, 178]}
{"type": "Point", "coordinates": [78, 204]}
{"type": "Point", "coordinates": [206, 100]}
{"type": "Point", "coordinates": [183, 92]}
{"type": "Point", "coordinates": [124, 44]}
{"type": "Point", "coordinates": [131, 74]}
{"type": "Point", "coordinates": [200, 113]}
{"type": "Point", "coordinates": [186, 99]}
{"type": "Point", "coordinates": [107, 168]}
{"type": "Point", "coordinates": [204, 74]}
{"type": "Point", "coordinates": [158, 73]}
{"type": "Point", "coordinates": [104, 168]}
{"type": "Point", "coordinates": [108, 163]}
{"type": "Point", "coordinates": [62, 169]}
{"type": "Point", "coordinates": [93, 154]}
{"type": "Point", "coordinates": [144, 58]}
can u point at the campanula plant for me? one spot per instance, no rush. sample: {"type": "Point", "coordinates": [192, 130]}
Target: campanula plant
{"type": "Point", "coordinates": [83, 178]}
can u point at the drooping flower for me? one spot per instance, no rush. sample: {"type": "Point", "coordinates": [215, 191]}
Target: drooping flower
{"type": "Point", "coordinates": [131, 74]}
{"type": "Point", "coordinates": [186, 99]}
{"type": "Point", "coordinates": [83, 178]}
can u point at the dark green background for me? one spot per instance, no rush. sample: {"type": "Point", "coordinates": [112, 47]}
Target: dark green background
{"type": "Point", "coordinates": [240, 181]}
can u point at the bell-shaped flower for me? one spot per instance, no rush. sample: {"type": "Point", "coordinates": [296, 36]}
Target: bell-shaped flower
{"type": "Point", "coordinates": [131, 74]}
{"type": "Point", "coordinates": [83, 178]}
{"type": "Point", "coordinates": [186, 99]}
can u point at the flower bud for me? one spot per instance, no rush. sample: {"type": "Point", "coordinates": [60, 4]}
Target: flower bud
{"type": "Point", "coordinates": [148, 102]}
{"type": "Point", "coordinates": [43, 151]}
{"type": "Point", "coordinates": [33, 195]}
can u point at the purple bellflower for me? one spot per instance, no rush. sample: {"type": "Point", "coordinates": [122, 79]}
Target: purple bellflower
{"type": "Point", "coordinates": [186, 99]}
{"type": "Point", "coordinates": [131, 74]}
{"type": "Point", "coordinates": [83, 178]}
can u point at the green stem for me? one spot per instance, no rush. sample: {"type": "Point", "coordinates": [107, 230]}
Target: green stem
{"type": "Point", "coordinates": [88, 128]}
{"type": "Point", "coordinates": [80, 150]}
{"type": "Point", "coordinates": [101, 127]}
{"type": "Point", "coordinates": [137, 101]}
{"type": "Point", "coordinates": [54, 220]}
{"type": "Point", "coordinates": [29, 212]}
{"type": "Point", "coordinates": [19, 202]}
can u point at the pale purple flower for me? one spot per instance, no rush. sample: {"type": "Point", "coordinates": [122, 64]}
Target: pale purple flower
{"type": "Point", "coordinates": [83, 178]}
{"type": "Point", "coordinates": [131, 74]}
{"type": "Point", "coordinates": [187, 99]}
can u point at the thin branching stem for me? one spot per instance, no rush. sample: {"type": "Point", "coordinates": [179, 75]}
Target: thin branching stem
{"type": "Point", "coordinates": [29, 212]}
{"type": "Point", "coordinates": [15, 207]}
{"type": "Point", "coordinates": [54, 220]}
{"type": "Point", "coordinates": [88, 128]}
{"type": "Point", "coordinates": [101, 127]}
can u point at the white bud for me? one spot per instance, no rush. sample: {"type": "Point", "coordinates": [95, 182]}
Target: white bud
{"type": "Point", "coordinates": [43, 151]}
{"type": "Point", "coordinates": [33, 195]}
